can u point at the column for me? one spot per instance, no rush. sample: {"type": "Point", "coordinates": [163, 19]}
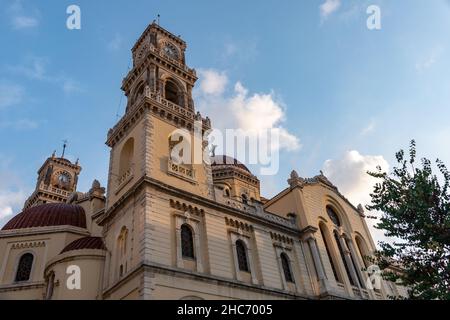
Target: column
{"type": "Point", "coordinates": [349, 262]}
{"type": "Point", "coordinates": [180, 263]}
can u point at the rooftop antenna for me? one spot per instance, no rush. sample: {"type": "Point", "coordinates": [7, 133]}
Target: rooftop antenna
{"type": "Point", "coordinates": [64, 148]}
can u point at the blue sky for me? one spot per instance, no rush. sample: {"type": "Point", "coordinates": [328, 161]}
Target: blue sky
{"type": "Point", "coordinates": [344, 93]}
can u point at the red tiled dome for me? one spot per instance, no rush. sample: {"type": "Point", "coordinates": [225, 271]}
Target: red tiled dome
{"type": "Point", "coordinates": [50, 214]}
{"type": "Point", "coordinates": [227, 161]}
{"type": "Point", "coordinates": [85, 243]}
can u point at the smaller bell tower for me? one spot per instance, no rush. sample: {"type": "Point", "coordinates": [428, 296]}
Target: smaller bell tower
{"type": "Point", "coordinates": [57, 180]}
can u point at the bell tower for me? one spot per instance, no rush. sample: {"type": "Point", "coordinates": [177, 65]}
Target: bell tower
{"type": "Point", "coordinates": [57, 180]}
{"type": "Point", "coordinates": [145, 174]}
{"type": "Point", "coordinates": [159, 102]}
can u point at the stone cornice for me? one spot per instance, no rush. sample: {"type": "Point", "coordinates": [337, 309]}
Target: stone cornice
{"type": "Point", "coordinates": [286, 226]}
{"type": "Point", "coordinates": [213, 279]}
{"type": "Point", "coordinates": [160, 108]}
{"type": "Point", "coordinates": [42, 231]}
{"type": "Point", "coordinates": [154, 56]}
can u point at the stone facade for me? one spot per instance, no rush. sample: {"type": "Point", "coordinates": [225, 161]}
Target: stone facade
{"type": "Point", "coordinates": [188, 231]}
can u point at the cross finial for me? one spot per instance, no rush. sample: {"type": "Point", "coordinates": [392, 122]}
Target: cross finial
{"type": "Point", "coordinates": [158, 17]}
{"type": "Point", "coordinates": [64, 148]}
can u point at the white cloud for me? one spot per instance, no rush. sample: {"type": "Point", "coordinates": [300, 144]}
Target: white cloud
{"type": "Point", "coordinates": [10, 200]}
{"type": "Point", "coordinates": [21, 124]}
{"type": "Point", "coordinates": [115, 43]}
{"type": "Point", "coordinates": [22, 22]}
{"type": "Point", "coordinates": [430, 60]}
{"type": "Point", "coordinates": [350, 174]}
{"type": "Point", "coordinates": [10, 95]}
{"type": "Point", "coordinates": [70, 86]}
{"type": "Point", "coordinates": [328, 7]}
{"type": "Point", "coordinates": [12, 192]}
{"type": "Point", "coordinates": [35, 68]}
{"type": "Point", "coordinates": [21, 18]}
{"type": "Point", "coordinates": [212, 82]}
{"type": "Point", "coordinates": [241, 110]}
{"type": "Point", "coordinates": [369, 128]}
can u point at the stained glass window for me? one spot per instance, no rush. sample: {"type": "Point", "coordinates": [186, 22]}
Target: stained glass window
{"type": "Point", "coordinates": [187, 242]}
{"type": "Point", "coordinates": [241, 252]}
{"type": "Point", "coordinates": [286, 267]}
{"type": "Point", "coordinates": [333, 216]}
{"type": "Point", "coordinates": [24, 267]}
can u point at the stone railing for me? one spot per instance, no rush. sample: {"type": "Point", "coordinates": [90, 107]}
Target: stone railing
{"type": "Point", "coordinates": [239, 205]}
{"type": "Point", "coordinates": [258, 210]}
{"type": "Point", "coordinates": [55, 190]}
{"type": "Point", "coordinates": [182, 171]}
{"type": "Point", "coordinates": [363, 294]}
{"type": "Point", "coordinates": [124, 178]}
{"type": "Point", "coordinates": [170, 105]}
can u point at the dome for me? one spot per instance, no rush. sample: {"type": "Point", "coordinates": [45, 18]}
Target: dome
{"type": "Point", "coordinates": [85, 243]}
{"type": "Point", "coordinates": [228, 161]}
{"type": "Point", "coordinates": [50, 214]}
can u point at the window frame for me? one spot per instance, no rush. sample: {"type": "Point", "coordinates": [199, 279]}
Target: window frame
{"type": "Point", "coordinates": [191, 254]}
{"type": "Point", "coordinates": [19, 259]}
{"type": "Point", "coordinates": [242, 253]}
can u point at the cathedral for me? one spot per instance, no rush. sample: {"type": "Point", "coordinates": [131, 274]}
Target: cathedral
{"type": "Point", "coordinates": [162, 229]}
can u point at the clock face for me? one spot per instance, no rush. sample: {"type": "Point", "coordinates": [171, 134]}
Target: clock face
{"type": "Point", "coordinates": [170, 51]}
{"type": "Point", "coordinates": [63, 179]}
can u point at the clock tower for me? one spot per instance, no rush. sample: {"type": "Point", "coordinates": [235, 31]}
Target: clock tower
{"type": "Point", "coordinates": [159, 106]}
{"type": "Point", "coordinates": [144, 169]}
{"type": "Point", "coordinates": [57, 180]}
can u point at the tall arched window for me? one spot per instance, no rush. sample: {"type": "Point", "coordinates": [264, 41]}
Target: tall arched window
{"type": "Point", "coordinates": [173, 93]}
{"type": "Point", "coordinates": [286, 267]}
{"type": "Point", "coordinates": [126, 157]}
{"type": "Point", "coordinates": [139, 92]}
{"type": "Point", "coordinates": [241, 252]}
{"type": "Point", "coordinates": [187, 242]}
{"type": "Point", "coordinates": [244, 199]}
{"type": "Point", "coordinates": [358, 272]}
{"type": "Point", "coordinates": [333, 216]}
{"type": "Point", "coordinates": [24, 268]}
{"type": "Point", "coordinates": [122, 243]}
{"type": "Point", "coordinates": [50, 286]}
{"type": "Point", "coordinates": [341, 251]}
{"type": "Point", "coordinates": [363, 251]}
{"type": "Point", "coordinates": [323, 232]}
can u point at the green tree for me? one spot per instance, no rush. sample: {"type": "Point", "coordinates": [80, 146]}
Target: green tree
{"type": "Point", "coordinates": [415, 211]}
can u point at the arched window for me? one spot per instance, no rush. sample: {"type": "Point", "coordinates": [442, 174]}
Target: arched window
{"type": "Point", "coordinates": [341, 251]}
{"type": "Point", "coordinates": [241, 252]}
{"type": "Point", "coordinates": [187, 242]}
{"type": "Point", "coordinates": [173, 93]}
{"type": "Point", "coordinates": [358, 272]}
{"type": "Point", "coordinates": [24, 268]}
{"type": "Point", "coordinates": [227, 192]}
{"type": "Point", "coordinates": [244, 199]}
{"type": "Point", "coordinates": [126, 157]}
{"type": "Point", "coordinates": [122, 243]}
{"type": "Point", "coordinates": [363, 251]}
{"type": "Point", "coordinates": [286, 268]}
{"type": "Point", "coordinates": [139, 91]}
{"type": "Point", "coordinates": [328, 249]}
{"type": "Point", "coordinates": [50, 286]}
{"type": "Point", "coordinates": [333, 216]}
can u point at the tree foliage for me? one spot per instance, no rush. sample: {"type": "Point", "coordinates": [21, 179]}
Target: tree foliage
{"type": "Point", "coordinates": [415, 211]}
